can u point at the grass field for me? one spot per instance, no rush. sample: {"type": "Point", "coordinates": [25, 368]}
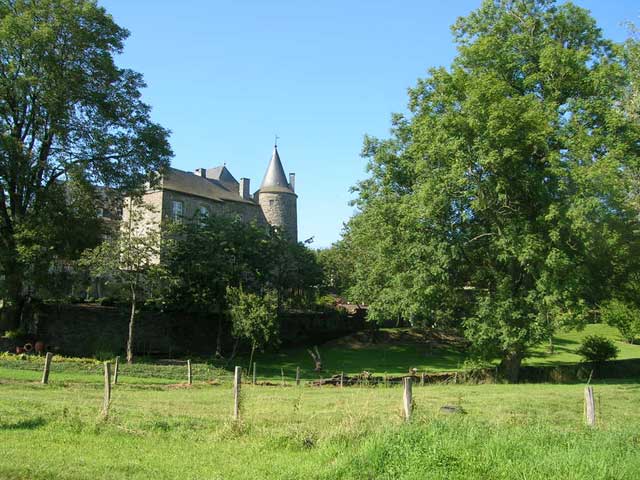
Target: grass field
{"type": "Point", "coordinates": [162, 431]}
{"type": "Point", "coordinates": [397, 359]}
{"type": "Point", "coordinates": [337, 356]}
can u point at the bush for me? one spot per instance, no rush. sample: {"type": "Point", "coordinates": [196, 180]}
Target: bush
{"type": "Point", "coordinates": [597, 349]}
{"type": "Point", "coordinates": [17, 334]}
{"type": "Point", "coordinates": [623, 316]}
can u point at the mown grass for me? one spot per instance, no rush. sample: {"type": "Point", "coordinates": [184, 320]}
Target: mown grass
{"type": "Point", "coordinates": [397, 359]}
{"type": "Point", "coordinates": [376, 358]}
{"type": "Point", "coordinates": [165, 432]}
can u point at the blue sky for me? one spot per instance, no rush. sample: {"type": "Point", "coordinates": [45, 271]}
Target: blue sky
{"type": "Point", "coordinates": [226, 76]}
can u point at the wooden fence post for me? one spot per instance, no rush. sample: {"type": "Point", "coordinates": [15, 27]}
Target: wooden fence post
{"type": "Point", "coordinates": [253, 381]}
{"type": "Point", "coordinates": [298, 376]}
{"type": "Point", "coordinates": [341, 379]}
{"type": "Point", "coordinates": [422, 375]}
{"type": "Point", "coordinates": [115, 371]}
{"type": "Point", "coordinates": [282, 375]}
{"type": "Point", "coordinates": [189, 373]}
{"type": "Point", "coordinates": [47, 368]}
{"type": "Point", "coordinates": [107, 389]}
{"type": "Point", "coordinates": [237, 377]}
{"type": "Point", "coordinates": [590, 406]}
{"type": "Point", "coordinates": [407, 397]}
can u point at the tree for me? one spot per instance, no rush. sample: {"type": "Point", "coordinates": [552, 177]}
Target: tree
{"type": "Point", "coordinates": [503, 199]}
{"type": "Point", "coordinates": [254, 317]}
{"type": "Point", "coordinates": [205, 256]}
{"type": "Point", "coordinates": [337, 268]}
{"type": "Point", "coordinates": [131, 260]}
{"type": "Point", "coordinates": [625, 316]}
{"type": "Point", "coordinates": [67, 114]}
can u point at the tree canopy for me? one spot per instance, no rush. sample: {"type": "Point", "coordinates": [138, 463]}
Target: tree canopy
{"type": "Point", "coordinates": [67, 114]}
{"type": "Point", "coordinates": [502, 200]}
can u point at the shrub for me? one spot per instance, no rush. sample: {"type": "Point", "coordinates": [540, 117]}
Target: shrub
{"type": "Point", "coordinates": [16, 334]}
{"type": "Point", "coordinates": [597, 349]}
{"type": "Point", "coordinates": [623, 316]}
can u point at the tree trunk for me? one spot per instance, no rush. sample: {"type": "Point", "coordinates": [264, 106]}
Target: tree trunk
{"type": "Point", "coordinates": [510, 365]}
{"type": "Point", "coordinates": [15, 294]}
{"type": "Point", "coordinates": [253, 349]}
{"type": "Point", "coordinates": [233, 352]}
{"type": "Point", "coordinates": [219, 338]}
{"type": "Point", "coordinates": [131, 324]}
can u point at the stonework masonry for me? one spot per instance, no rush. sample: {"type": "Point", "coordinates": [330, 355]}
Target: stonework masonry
{"type": "Point", "coordinates": [281, 212]}
{"type": "Point", "coordinates": [185, 196]}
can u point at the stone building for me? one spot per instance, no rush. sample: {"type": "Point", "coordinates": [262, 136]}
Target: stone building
{"type": "Point", "coordinates": [186, 196]}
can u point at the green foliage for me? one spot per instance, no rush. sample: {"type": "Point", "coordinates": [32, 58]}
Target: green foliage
{"type": "Point", "coordinates": [15, 334]}
{"type": "Point", "coordinates": [130, 260]}
{"type": "Point", "coordinates": [254, 317]}
{"type": "Point", "coordinates": [502, 203]}
{"type": "Point", "coordinates": [337, 268]}
{"type": "Point", "coordinates": [597, 349]}
{"type": "Point", "coordinates": [70, 120]}
{"type": "Point", "coordinates": [624, 316]}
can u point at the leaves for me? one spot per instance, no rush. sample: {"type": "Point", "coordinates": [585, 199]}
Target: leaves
{"type": "Point", "coordinates": [501, 203]}
{"type": "Point", "coordinates": [67, 113]}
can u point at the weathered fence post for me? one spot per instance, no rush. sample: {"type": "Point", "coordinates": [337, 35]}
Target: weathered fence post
{"type": "Point", "coordinates": [47, 367]}
{"type": "Point", "coordinates": [253, 380]}
{"type": "Point", "coordinates": [237, 377]}
{"type": "Point", "coordinates": [590, 406]}
{"type": "Point", "coordinates": [341, 379]}
{"type": "Point", "coordinates": [115, 371]}
{"type": "Point", "coordinates": [189, 373]}
{"type": "Point", "coordinates": [407, 397]}
{"type": "Point", "coordinates": [298, 376]}
{"type": "Point", "coordinates": [422, 375]}
{"type": "Point", "coordinates": [282, 375]}
{"type": "Point", "coordinates": [107, 389]}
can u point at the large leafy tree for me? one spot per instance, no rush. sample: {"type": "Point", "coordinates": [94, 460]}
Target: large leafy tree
{"type": "Point", "coordinates": [67, 113]}
{"type": "Point", "coordinates": [502, 199]}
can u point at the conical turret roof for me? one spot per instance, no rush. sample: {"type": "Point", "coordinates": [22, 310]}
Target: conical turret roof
{"type": "Point", "coordinates": [275, 178]}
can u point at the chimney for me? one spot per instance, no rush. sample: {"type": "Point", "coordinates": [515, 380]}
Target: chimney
{"type": "Point", "coordinates": [245, 189]}
{"type": "Point", "coordinates": [201, 172]}
{"type": "Point", "coordinates": [292, 181]}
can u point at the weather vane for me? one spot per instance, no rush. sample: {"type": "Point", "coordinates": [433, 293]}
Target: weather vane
{"type": "Point", "coordinates": [276, 142]}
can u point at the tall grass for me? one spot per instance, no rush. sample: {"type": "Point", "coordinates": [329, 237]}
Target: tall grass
{"type": "Point", "coordinates": [167, 431]}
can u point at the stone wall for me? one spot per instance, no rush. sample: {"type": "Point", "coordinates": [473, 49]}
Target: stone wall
{"type": "Point", "coordinates": [280, 211]}
{"type": "Point", "coordinates": [86, 329]}
{"type": "Point", "coordinates": [248, 212]}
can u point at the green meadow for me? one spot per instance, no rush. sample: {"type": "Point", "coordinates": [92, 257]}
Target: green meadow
{"type": "Point", "coordinates": [56, 431]}
{"type": "Point", "coordinates": [159, 427]}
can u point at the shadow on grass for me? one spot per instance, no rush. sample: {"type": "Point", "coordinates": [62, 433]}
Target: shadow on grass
{"type": "Point", "coordinates": [27, 424]}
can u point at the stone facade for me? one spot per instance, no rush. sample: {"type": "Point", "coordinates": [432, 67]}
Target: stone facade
{"type": "Point", "coordinates": [185, 196]}
{"type": "Point", "coordinates": [280, 210]}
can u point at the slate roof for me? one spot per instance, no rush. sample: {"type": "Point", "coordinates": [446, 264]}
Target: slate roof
{"type": "Point", "coordinates": [211, 188]}
{"type": "Point", "coordinates": [275, 179]}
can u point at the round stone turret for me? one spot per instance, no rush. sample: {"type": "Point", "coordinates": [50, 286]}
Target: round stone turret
{"type": "Point", "coordinates": [278, 199]}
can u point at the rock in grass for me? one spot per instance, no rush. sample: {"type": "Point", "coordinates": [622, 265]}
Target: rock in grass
{"type": "Point", "coordinates": [452, 409]}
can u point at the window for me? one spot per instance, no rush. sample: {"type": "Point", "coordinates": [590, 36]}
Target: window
{"type": "Point", "coordinates": [177, 210]}
{"type": "Point", "coordinates": [203, 212]}
{"type": "Point", "coordinates": [271, 202]}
